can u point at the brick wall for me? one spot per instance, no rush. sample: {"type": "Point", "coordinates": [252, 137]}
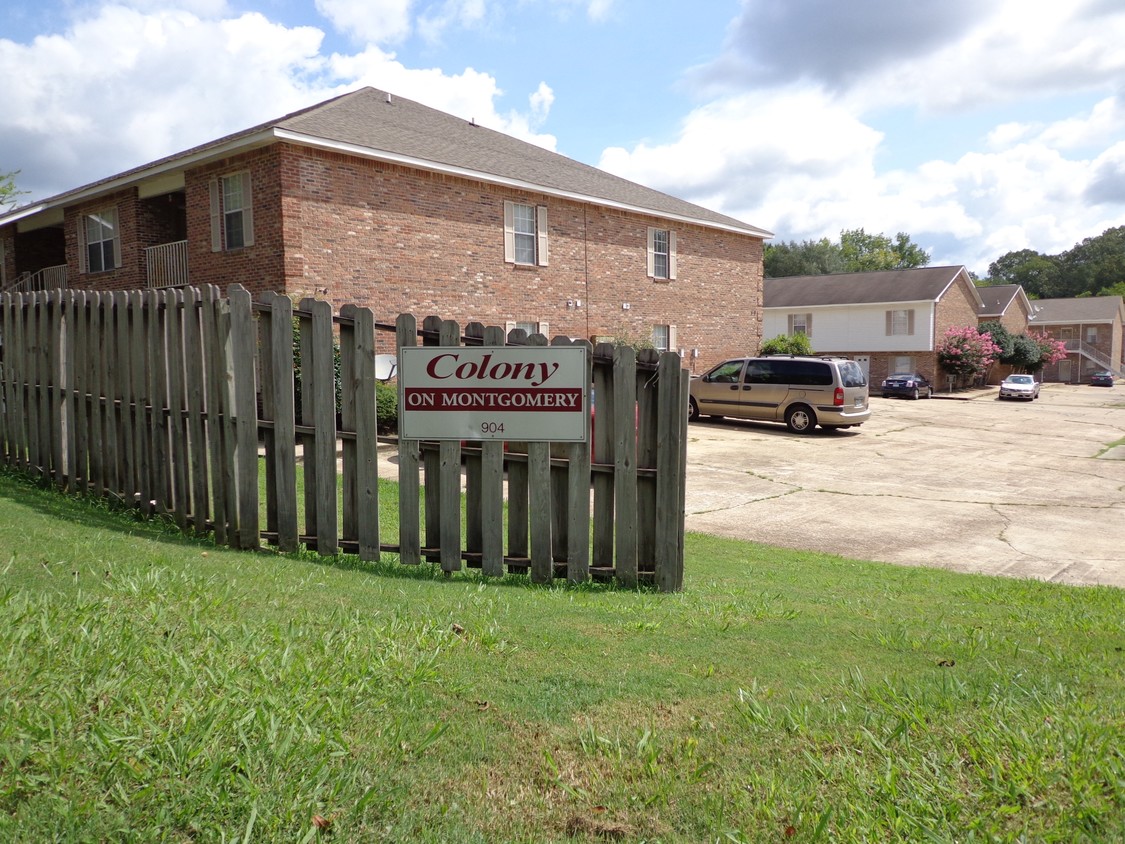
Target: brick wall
{"type": "Point", "coordinates": [260, 266]}
{"type": "Point", "coordinates": [131, 274]}
{"type": "Point", "coordinates": [400, 240]}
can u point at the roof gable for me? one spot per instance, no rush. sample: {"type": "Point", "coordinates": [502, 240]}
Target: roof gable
{"type": "Point", "coordinates": [923, 284]}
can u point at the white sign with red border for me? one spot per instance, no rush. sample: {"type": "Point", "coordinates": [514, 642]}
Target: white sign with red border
{"type": "Point", "coordinates": [532, 393]}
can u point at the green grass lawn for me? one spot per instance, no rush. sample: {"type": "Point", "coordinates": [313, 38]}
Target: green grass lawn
{"type": "Point", "coordinates": [156, 688]}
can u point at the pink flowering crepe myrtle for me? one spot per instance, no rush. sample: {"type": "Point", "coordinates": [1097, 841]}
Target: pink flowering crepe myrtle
{"type": "Point", "coordinates": [966, 351]}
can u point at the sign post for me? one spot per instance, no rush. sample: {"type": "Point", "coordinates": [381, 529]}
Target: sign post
{"type": "Point", "coordinates": [523, 393]}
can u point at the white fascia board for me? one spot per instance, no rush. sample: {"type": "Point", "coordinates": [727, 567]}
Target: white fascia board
{"type": "Point", "coordinates": [491, 178]}
{"type": "Point", "coordinates": [898, 305]}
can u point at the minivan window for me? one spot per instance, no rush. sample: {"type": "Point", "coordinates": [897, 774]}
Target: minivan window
{"type": "Point", "coordinates": [803, 373]}
{"type": "Point", "coordinates": [725, 372]}
{"type": "Point", "coordinates": [851, 373]}
{"type": "Point", "coordinates": [761, 372]}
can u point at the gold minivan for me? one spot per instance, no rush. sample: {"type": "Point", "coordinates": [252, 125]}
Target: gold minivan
{"type": "Point", "coordinates": [802, 392]}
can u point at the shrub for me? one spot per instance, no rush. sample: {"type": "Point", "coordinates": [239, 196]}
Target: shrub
{"type": "Point", "coordinates": [788, 344]}
{"type": "Point", "coordinates": [386, 407]}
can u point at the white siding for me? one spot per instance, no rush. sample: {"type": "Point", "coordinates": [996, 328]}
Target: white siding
{"type": "Point", "coordinates": [856, 328]}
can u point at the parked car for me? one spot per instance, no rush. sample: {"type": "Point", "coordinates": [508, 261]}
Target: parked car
{"type": "Point", "coordinates": [1019, 387]}
{"type": "Point", "coordinates": [1101, 379]}
{"type": "Point", "coordinates": [802, 392]}
{"type": "Point", "coordinates": [911, 385]}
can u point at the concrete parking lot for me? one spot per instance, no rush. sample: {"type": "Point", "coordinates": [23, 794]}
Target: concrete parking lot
{"type": "Point", "coordinates": [1026, 489]}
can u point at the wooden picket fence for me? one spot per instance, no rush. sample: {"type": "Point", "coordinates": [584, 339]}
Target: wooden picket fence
{"type": "Point", "coordinates": [177, 400]}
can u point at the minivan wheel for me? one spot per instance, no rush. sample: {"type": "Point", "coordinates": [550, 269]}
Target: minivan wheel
{"type": "Point", "coordinates": [693, 411]}
{"type": "Point", "coordinates": [800, 419]}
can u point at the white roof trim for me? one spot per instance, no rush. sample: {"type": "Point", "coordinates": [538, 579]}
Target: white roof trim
{"type": "Point", "coordinates": [895, 303]}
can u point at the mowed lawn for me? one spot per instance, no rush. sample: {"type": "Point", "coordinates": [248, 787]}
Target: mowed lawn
{"type": "Point", "coordinates": [157, 688]}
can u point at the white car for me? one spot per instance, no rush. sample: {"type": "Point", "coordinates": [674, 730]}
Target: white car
{"type": "Point", "coordinates": [1019, 387]}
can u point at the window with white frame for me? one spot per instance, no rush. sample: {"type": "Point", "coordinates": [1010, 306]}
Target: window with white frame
{"type": "Point", "coordinates": [232, 214]}
{"type": "Point", "coordinates": [101, 241]}
{"type": "Point", "coordinates": [530, 326]}
{"type": "Point", "coordinates": [900, 322]}
{"type": "Point", "coordinates": [1068, 332]}
{"type": "Point", "coordinates": [525, 234]}
{"type": "Point", "coordinates": [661, 254]}
{"type": "Point", "coordinates": [800, 324]}
{"type": "Point", "coordinates": [1091, 334]}
{"type": "Point", "coordinates": [664, 338]}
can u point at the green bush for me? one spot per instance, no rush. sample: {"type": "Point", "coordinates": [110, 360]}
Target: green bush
{"type": "Point", "coordinates": [788, 344]}
{"type": "Point", "coordinates": [386, 407]}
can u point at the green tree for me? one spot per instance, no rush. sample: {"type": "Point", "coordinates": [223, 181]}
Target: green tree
{"type": "Point", "coordinates": [1039, 275]}
{"type": "Point", "coordinates": [788, 344]}
{"type": "Point", "coordinates": [1095, 263]}
{"type": "Point", "coordinates": [865, 252]}
{"type": "Point", "coordinates": [1025, 354]}
{"type": "Point", "coordinates": [809, 257]}
{"type": "Point", "coordinates": [1001, 337]}
{"type": "Point", "coordinates": [8, 191]}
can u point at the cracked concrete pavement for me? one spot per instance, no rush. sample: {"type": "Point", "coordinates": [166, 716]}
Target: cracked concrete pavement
{"type": "Point", "coordinates": [1025, 489]}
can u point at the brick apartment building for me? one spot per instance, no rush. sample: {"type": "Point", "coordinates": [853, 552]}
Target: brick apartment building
{"type": "Point", "coordinates": [372, 199]}
{"type": "Point", "coordinates": [1093, 329]}
{"type": "Point", "coordinates": [889, 321]}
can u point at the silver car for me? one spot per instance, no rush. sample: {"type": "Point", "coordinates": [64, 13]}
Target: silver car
{"type": "Point", "coordinates": [1019, 387]}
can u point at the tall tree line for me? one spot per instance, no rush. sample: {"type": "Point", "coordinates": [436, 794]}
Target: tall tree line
{"type": "Point", "coordinates": [857, 251]}
{"type": "Point", "coordinates": [1093, 267]}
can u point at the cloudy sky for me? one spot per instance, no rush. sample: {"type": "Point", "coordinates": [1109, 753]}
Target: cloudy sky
{"type": "Point", "coordinates": [976, 126]}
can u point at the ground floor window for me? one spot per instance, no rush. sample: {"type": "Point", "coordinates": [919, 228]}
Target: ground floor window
{"type": "Point", "coordinates": [664, 338]}
{"type": "Point", "coordinates": [902, 364]}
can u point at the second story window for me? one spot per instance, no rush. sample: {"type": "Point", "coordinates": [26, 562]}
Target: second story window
{"type": "Point", "coordinates": [900, 322]}
{"type": "Point", "coordinates": [525, 234]}
{"type": "Point", "coordinates": [232, 216]}
{"type": "Point", "coordinates": [661, 254]}
{"type": "Point", "coordinates": [102, 241]}
{"type": "Point", "coordinates": [800, 324]}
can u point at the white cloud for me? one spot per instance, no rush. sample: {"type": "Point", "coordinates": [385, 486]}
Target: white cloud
{"type": "Point", "coordinates": [177, 79]}
{"type": "Point", "coordinates": [374, 21]}
{"type": "Point", "coordinates": [800, 164]}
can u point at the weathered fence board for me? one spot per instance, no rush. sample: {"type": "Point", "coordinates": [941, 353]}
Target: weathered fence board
{"type": "Point", "coordinates": [169, 400]}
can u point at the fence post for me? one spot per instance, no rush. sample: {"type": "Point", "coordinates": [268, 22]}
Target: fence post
{"type": "Point", "coordinates": [357, 371]}
{"type": "Point", "coordinates": [278, 405]}
{"type": "Point", "coordinates": [449, 479]}
{"type": "Point", "coordinates": [578, 497]}
{"type": "Point", "coordinates": [409, 513]}
{"type": "Point", "coordinates": [539, 501]}
{"type": "Point", "coordinates": [672, 403]}
{"type": "Point", "coordinates": [244, 352]}
{"type": "Point", "coordinates": [318, 408]}
{"type": "Point", "coordinates": [492, 489]}
{"type": "Point", "coordinates": [196, 357]}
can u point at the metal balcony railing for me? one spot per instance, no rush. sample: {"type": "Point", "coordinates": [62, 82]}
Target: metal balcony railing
{"type": "Point", "coordinates": [167, 264]}
{"type": "Point", "coordinates": [48, 278]}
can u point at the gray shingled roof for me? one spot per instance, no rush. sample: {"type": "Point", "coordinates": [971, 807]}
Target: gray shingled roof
{"type": "Point", "coordinates": [1086, 309]}
{"type": "Point", "coordinates": [374, 122]}
{"type": "Point", "coordinates": [915, 285]}
{"type": "Point", "coordinates": [997, 299]}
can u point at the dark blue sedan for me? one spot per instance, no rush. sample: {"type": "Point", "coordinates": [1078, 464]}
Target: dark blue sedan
{"type": "Point", "coordinates": [909, 385]}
